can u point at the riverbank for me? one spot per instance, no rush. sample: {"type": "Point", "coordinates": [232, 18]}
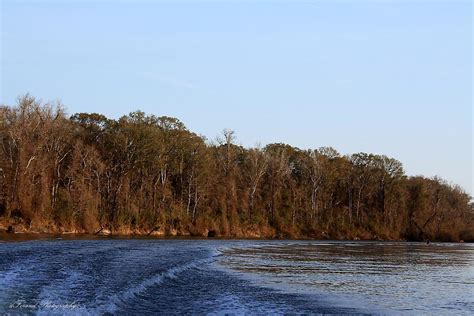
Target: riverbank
{"type": "Point", "coordinates": [192, 231]}
{"type": "Point", "coordinates": [18, 230]}
{"type": "Point", "coordinates": [29, 236]}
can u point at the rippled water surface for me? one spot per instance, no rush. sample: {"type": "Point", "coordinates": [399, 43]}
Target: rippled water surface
{"type": "Point", "coordinates": [139, 276]}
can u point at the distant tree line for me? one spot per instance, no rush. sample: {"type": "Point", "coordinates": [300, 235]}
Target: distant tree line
{"type": "Point", "coordinates": [140, 173]}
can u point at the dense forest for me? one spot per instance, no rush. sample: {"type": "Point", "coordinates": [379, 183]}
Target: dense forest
{"type": "Point", "coordinates": [143, 174]}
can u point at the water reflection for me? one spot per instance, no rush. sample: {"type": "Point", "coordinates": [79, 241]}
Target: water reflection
{"type": "Point", "coordinates": [384, 276]}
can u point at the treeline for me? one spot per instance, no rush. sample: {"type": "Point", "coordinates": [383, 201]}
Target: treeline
{"type": "Point", "coordinates": [142, 173]}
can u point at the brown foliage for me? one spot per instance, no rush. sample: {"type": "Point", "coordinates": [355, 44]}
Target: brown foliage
{"type": "Point", "coordinates": [142, 172]}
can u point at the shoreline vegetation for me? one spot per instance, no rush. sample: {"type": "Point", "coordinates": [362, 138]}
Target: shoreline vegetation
{"type": "Point", "coordinates": [143, 175]}
{"type": "Point", "coordinates": [68, 235]}
{"type": "Point", "coordinates": [108, 235]}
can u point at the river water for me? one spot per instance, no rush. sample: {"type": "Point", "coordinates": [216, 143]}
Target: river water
{"type": "Point", "coordinates": [137, 276]}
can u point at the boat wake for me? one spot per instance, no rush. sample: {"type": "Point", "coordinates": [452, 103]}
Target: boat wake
{"type": "Point", "coordinates": [114, 303]}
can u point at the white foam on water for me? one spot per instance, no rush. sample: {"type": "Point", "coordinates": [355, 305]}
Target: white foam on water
{"type": "Point", "coordinates": [113, 302]}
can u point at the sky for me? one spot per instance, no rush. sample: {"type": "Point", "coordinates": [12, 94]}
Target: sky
{"type": "Point", "coordinates": [385, 77]}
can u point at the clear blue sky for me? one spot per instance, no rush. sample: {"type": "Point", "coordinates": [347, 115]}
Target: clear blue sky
{"type": "Point", "coordinates": [388, 77]}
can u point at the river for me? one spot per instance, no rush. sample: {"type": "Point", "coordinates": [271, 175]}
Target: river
{"type": "Point", "coordinates": [137, 276]}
